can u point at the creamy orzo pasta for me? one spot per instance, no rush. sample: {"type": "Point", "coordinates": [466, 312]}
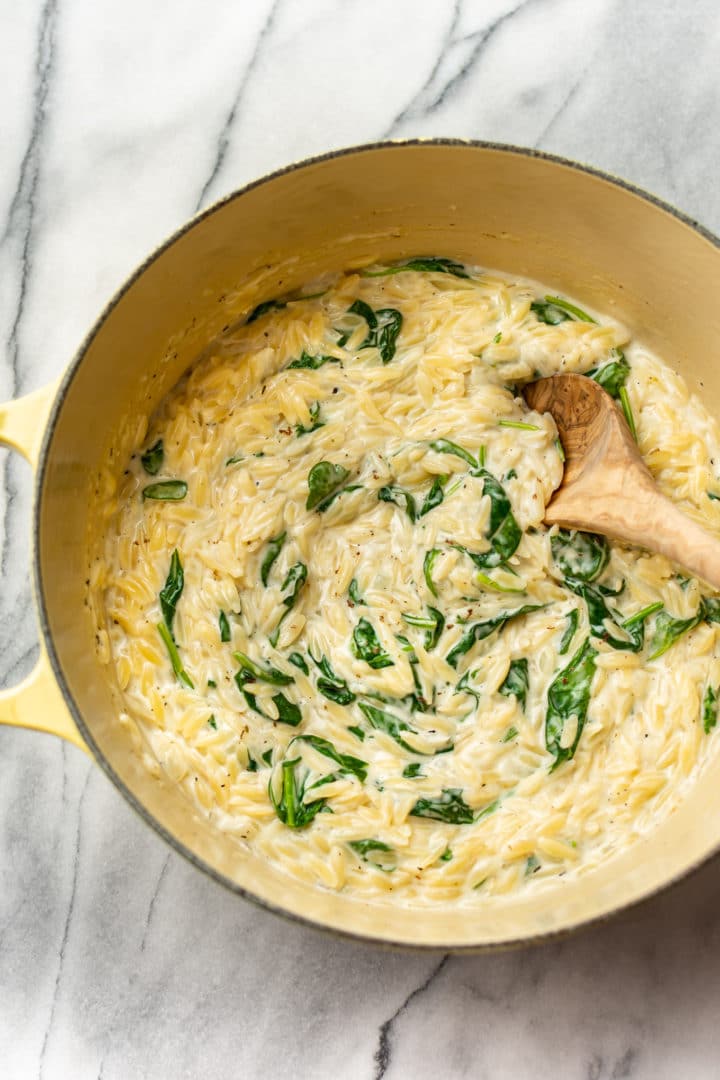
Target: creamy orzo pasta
{"type": "Point", "coordinates": [338, 619]}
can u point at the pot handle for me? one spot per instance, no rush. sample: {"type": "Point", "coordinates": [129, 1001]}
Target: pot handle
{"type": "Point", "coordinates": [37, 701]}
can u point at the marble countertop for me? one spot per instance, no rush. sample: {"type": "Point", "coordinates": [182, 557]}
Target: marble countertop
{"type": "Point", "coordinates": [117, 959]}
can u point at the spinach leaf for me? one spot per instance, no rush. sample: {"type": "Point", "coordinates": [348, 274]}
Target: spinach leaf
{"type": "Point", "coordinates": [517, 682]}
{"type": "Point", "coordinates": [444, 446]}
{"type": "Point", "coordinates": [347, 763]}
{"type": "Point", "coordinates": [357, 732]}
{"type": "Point", "coordinates": [428, 263]}
{"type": "Point", "coordinates": [290, 807]}
{"type": "Point", "coordinates": [324, 482]}
{"type": "Point", "coordinates": [573, 617]}
{"type": "Point", "coordinates": [612, 376]}
{"type": "Point", "coordinates": [213, 722]}
{"type": "Point", "coordinates": [435, 495]}
{"type": "Point", "coordinates": [555, 310]}
{"type": "Point", "coordinates": [384, 326]}
{"type": "Point", "coordinates": [446, 855]}
{"type": "Point", "coordinates": [166, 490]}
{"type": "Point", "coordinates": [433, 623]}
{"type": "Point", "coordinates": [272, 550]}
{"type": "Point", "coordinates": [299, 661]}
{"type": "Point", "coordinates": [354, 592]}
{"type": "Point", "coordinates": [365, 849]}
{"type": "Point", "coordinates": [463, 685]}
{"type": "Point", "coordinates": [580, 555]}
{"type": "Point", "coordinates": [504, 533]}
{"type": "Point", "coordinates": [668, 630]}
{"type": "Point", "coordinates": [256, 671]}
{"type": "Point", "coordinates": [548, 313]}
{"type": "Point", "coordinates": [602, 618]}
{"type": "Point", "coordinates": [449, 807]}
{"type": "Point", "coordinates": [288, 711]}
{"type": "Point", "coordinates": [480, 630]}
{"type": "Point", "coordinates": [174, 655]}
{"type": "Point", "coordinates": [294, 580]}
{"type": "Point", "coordinates": [495, 586]}
{"type": "Point", "coordinates": [509, 735]}
{"type": "Point", "coordinates": [389, 723]}
{"type": "Point", "coordinates": [394, 726]}
{"type": "Point", "coordinates": [710, 709]}
{"type": "Point", "coordinates": [713, 495]}
{"type": "Point", "coordinates": [568, 697]}
{"type": "Point", "coordinates": [366, 646]}
{"type": "Point", "coordinates": [428, 563]}
{"type": "Point", "coordinates": [412, 771]}
{"type": "Point", "coordinates": [315, 421]}
{"type": "Point", "coordinates": [519, 425]}
{"type": "Point", "coordinates": [331, 685]}
{"type": "Point", "coordinates": [392, 493]}
{"type": "Point", "coordinates": [710, 607]}
{"type": "Point", "coordinates": [224, 626]}
{"type": "Point", "coordinates": [153, 458]}
{"type": "Point", "coordinates": [172, 590]}
{"type": "Point", "coordinates": [262, 309]}
{"type": "Point", "coordinates": [363, 846]}
{"type": "Point", "coordinates": [312, 362]}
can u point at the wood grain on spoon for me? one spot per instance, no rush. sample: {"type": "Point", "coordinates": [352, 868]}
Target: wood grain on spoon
{"type": "Point", "coordinates": [606, 487]}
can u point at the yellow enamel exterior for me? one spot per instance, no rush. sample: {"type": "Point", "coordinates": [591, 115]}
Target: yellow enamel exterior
{"type": "Point", "coordinates": [577, 231]}
{"type": "Point", "coordinates": [37, 701]}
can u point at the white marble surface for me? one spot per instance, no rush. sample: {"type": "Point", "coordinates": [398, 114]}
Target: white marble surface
{"type": "Point", "coordinates": [117, 959]}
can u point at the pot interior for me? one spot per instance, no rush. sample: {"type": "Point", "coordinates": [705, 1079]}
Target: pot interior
{"type": "Point", "coordinates": [575, 231]}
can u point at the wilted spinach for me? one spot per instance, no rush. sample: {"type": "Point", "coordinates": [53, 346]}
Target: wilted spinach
{"type": "Point", "coordinates": [172, 590]}
{"type": "Point", "coordinates": [580, 555]}
{"type": "Point", "coordinates": [423, 263]}
{"type": "Point", "coordinates": [305, 360]}
{"type": "Point", "coordinates": [153, 458]}
{"type": "Point", "coordinates": [166, 491]}
{"type": "Point", "coordinates": [384, 326]}
{"type": "Point", "coordinates": [324, 483]}
{"type": "Point", "coordinates": [315, 421]}
{"type": "Point", "coordinates": [331, 685]}
{"type": "Point", "coordinates": [480, 630]}
{"type": "Point", "coordinates": [568, 698]}
{"type": "Point", "coordinates": [433, 623]}
{"type": "Point", "coordinates": [517, 682]}
{"type": "Point", "coordinates": [366, 646]}
{"type": "Point", "coordinates": [710, 709]}
{"type": "Point", "coordinates": [435, 495]}
{"type": "Point", "coordinates": [272, 550]}
{"type": "Point", "coordinates": [400, 496]}
{"type": "Point", "coordinates": [348, 763]}
{"type": "Point", "coordinates": [290, 807]}
{"type": "Point", "coordinates": [449, 807]}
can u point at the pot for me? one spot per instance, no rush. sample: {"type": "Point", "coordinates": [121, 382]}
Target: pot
{"type": "Point", "coordinates": [604, 242]}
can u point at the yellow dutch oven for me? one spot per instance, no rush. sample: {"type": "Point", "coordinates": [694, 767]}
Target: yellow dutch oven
{"type": "Point", "coordinates": [600, 240]}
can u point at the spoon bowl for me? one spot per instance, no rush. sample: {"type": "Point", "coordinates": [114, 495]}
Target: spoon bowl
{"type": "Point", "coordinates": [606, 486]}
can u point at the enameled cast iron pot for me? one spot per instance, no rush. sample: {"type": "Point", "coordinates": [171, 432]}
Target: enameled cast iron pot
{"type": "Point", "coordinates": [579, 232]}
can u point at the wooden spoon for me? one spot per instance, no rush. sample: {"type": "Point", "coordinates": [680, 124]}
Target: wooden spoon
{"type": "Point", "coordinates": [606, 487]}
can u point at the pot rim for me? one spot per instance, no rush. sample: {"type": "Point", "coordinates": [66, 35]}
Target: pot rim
{"type": "Point", "coordinates": [66, 381]}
